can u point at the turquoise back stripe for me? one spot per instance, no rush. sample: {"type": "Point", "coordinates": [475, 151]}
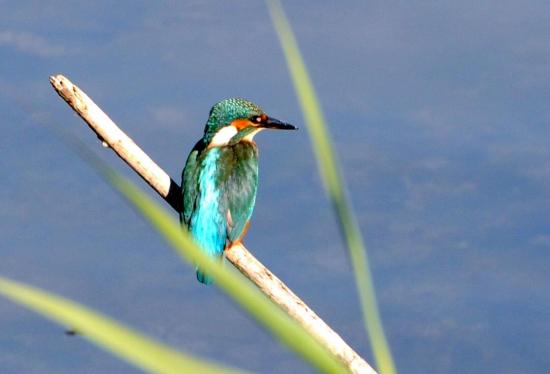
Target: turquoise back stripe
{"type": "Point", "coordinates": [208, 225]}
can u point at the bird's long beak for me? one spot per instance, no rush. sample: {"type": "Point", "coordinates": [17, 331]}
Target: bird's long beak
{"type": "Point", "coordinates": [273, 123]}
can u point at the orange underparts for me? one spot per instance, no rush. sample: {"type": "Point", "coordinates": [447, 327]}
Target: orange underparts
{"type": "Point", "coordinates": [240, 239]}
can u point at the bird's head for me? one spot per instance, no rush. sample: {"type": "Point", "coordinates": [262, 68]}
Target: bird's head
{"type": "Point", "coordinates": [233, 120]}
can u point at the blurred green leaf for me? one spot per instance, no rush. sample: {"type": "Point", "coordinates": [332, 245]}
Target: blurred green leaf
{"type": "Point", "coordinates": [107, 333]}
{"type": "Point", "coordinates": [333, 181]}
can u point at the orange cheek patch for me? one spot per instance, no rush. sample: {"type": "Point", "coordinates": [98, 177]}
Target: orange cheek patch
{"type": "Point", "coordinates": [240, 124]}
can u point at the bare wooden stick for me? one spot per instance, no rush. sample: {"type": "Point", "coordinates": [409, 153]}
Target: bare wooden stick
{"type": "Point", "coordinates": [109, 133]}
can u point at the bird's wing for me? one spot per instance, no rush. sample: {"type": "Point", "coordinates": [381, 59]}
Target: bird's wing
{"type": "Point", "coordinates": [189, 183]}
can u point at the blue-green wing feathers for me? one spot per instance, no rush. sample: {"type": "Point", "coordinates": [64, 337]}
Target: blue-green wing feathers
{"type": "Point", "coordinates": [189, 184]}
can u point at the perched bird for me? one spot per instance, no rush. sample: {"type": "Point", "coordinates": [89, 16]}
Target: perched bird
{"type": "Point", "coordinates": [220, 177]}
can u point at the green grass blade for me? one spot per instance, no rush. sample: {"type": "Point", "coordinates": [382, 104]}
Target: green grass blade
{"type": "Point", "coordinates": [332, 179]}
{"type": "Point", "coordinates": [234, 284]}
{"type": "Point", "coordinates": [115, 338]}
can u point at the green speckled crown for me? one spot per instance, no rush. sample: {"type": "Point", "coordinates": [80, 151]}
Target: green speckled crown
{"type": "Point", "coordinates": [226, 111]}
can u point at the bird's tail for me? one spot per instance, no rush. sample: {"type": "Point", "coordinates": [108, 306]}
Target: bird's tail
{"type": "Point", "coordinates": [203, 278]}
{"type": "Point", "coordinates": [213, 248]}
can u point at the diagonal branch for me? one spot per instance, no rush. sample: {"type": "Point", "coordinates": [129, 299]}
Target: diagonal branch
{"type": "Point", "coordinates": [112, 136]}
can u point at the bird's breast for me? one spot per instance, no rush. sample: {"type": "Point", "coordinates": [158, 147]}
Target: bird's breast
{"type": "Point", "coordinates": [237, 163]}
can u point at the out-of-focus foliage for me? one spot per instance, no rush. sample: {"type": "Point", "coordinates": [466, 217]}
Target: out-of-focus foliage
{"type": "Point", "coordinates": [334, 183]}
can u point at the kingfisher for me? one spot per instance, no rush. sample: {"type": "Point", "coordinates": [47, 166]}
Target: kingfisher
{"type": "Point", "coordinates": [220, 177]}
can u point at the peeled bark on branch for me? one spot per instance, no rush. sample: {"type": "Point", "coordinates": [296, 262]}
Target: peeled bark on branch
{"type": "Point", "coordinates": [111, 135]}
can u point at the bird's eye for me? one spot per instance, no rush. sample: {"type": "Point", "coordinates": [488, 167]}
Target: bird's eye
{"type": "Point", "coordinates": [260, 119]}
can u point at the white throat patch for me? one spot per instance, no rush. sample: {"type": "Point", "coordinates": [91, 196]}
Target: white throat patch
{"type": "Point", "coordinates": [250, 136]}
{"type": "Point", "coordinates": [223, 136]}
